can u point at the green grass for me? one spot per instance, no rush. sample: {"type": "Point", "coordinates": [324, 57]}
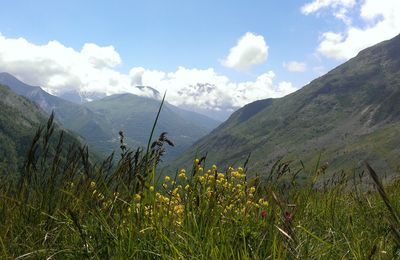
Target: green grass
{"type": "Point", "coordinates": [68, 207]}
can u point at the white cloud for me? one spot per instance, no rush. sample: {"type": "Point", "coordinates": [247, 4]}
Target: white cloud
{"type": "Point", "coordinates": [342, 14]}
{"type": "Point", "coordinates": [317, 5]}
{"type": "Point", "coordinates": [208, 90]}
{"type": "Point", "coordinates": [285, 88]}
{"type": "Point", "coordinates": [100, 57]}
{"type": "Point", "coordinates": [295, 66]}
{"type": "Point", "coordinates": [61, 69]}
{"type": "Point", "coordinates": [380, 21]}
{"type": "Point", "coordinates": [250, 50]}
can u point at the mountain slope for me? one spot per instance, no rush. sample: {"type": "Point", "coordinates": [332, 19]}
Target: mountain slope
{"type": "Point", "coordinates": [94, 128]}
{"type": "Point", "coordinates": [135, 116]}
{"type": "Point", "coordinates": [99, 122]}
{"type": "Point", "coordinates": [350, 114]}
{"type": "Point", "coordinates": [19, 120]}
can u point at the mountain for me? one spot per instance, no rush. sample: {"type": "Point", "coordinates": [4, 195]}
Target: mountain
{"type": "Point", "coordinates": [135, 116]}
{"type": "Point", "coordinates": [94, 128]}
{"type": "Point", "coordinates": [99, 121]}
{"type": "Point", "coordinates": [349, 115]}
{"type": "Point", "coordinates": [19, 120]}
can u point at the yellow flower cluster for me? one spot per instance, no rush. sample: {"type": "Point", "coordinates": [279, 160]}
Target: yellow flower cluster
{"type": "Point", "coordinates": [230, 191]}
{"type": "Point", "coordinates": [105, 202]}
{"type": "Point", "coordinates": [226, 193]}
{"type": "Point", "coordinates": [223, 193]}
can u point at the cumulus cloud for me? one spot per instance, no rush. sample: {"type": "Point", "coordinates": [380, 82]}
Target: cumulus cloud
{"type": "Point", "coordinates": [317, 5]}
{"type": "Point", "coordinates": [295, 66]}
{"type": "Point", "coordinates": [210, 90]}
{"type": "Point", "coordinates": [250, 50]}
{"type": "Point", "coordinates": [100, 57]}
{"type": "Point", "coordinates": [380, 21]}
{"type": "Point", "coordinates": [59, 69]}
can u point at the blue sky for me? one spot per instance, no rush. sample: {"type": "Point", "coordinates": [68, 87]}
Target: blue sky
{"type": "Point", "coordinates": [166, 34]}
{"type": "Point", "coordinates": [163, 35]}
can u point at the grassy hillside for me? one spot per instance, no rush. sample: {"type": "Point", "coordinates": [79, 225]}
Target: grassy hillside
{"type": "Point", "coordinates": [72, 209]}
{"type": "Point", "coordinates": [20, 119]}
{"type": "Point", "coordinates": [348, 115]}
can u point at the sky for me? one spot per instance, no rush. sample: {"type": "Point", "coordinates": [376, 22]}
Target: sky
{"type": "Point", "coordinates": [210, 55]}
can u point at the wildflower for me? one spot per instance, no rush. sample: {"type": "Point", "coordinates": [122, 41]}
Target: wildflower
{"type": "Point", "coordinates": [263, 202]}
{"type": "Point", "coordinates": [214, 167]}
{"type": "Point", "coordinates": [288, 217]}
{"type": "Point", "coordinates": [201, 179]}
{"type": "Point", "coordinates": [179, 209]}
{"type": "Point", "coordinates": [263, 214]}
{"type": "Point", "coordinates": [187, 187]}
{"type": "Point", "coordinates": [197, 161]}
{"type": "Point", "coordinates": [137, 197]}
{"type": "Point", "coordinates": [167, 179]}
{"type": "Point", "coordinates": [92, 185]}
{"type": "Point", "coordinates": [182, 175]}
{"type": "Point", "coordinates": [151, 188]}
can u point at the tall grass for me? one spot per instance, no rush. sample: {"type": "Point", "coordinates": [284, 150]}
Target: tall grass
{"type": "Point", "coordinates": [63, 205]}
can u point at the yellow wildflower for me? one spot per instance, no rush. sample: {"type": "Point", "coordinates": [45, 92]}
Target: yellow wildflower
{"type": "Point", "coordinates": [137, 197]}
{"type": "Point", "coordinates": [182, 175]}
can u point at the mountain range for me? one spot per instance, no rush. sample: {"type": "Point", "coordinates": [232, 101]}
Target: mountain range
{"type": "Point", "coordinates": [349, 115]}
{"type": "Point", "coordinates": [99, 122]}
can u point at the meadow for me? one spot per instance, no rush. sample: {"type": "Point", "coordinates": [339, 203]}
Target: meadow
{"type": "Point", "coordinates": [64, 204]}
